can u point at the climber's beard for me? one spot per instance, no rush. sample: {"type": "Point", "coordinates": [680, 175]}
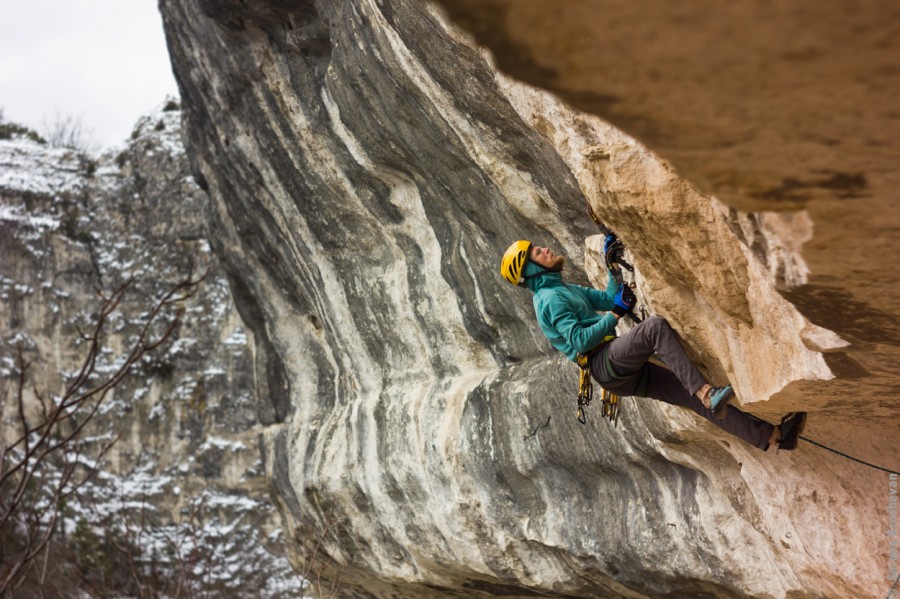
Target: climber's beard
{"type": "Point", "coordinates": [558, 264]}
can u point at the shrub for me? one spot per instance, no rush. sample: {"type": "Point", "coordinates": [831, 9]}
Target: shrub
{"type": "Point", "coordinates": [67, 131]}
{"type": "Point", "coordinates": [11, 130]}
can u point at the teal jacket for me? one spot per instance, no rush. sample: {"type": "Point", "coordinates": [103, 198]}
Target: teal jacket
{"type": "Point", "coordinates": [568, 313]}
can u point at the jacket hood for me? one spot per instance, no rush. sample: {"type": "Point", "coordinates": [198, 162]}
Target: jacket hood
{"type": "Point", "coordinates": [544, 278]}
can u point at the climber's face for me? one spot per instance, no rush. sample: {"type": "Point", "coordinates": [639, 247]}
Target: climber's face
{"type": "Point", "coordinates": [546, 258]}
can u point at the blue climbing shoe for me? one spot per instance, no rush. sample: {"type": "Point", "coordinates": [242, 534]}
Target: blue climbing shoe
{"type": "Point", "coordinates": [791, 427]}
{"type": "Point", "coordinates": [718, 397]}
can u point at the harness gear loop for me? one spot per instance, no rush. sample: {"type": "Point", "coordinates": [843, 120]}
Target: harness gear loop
{"type": "Point", "coordinates": [609, 401]}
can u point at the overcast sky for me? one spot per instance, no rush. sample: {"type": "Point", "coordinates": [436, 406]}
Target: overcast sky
{"type": "Point", "coordinates": [104, 61]}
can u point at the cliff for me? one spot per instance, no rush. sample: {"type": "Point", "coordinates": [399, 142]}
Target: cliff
{"type": "Point", "coordinates": [367, 166]}
{"type": "Point", "coordinates": [185, 477]}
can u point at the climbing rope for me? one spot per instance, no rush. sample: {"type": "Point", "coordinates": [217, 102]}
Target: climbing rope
{"type": "Point", "coordinates": [849, 457]}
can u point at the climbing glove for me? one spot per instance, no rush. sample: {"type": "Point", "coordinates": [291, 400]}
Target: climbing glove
{"type": "Point", "coordinates": [608, 242]}
{"type": "Point", "coordinates": [624, 301]}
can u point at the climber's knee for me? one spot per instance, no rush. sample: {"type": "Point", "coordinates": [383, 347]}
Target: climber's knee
{"type": "Point", "coordinates": [657, 322]}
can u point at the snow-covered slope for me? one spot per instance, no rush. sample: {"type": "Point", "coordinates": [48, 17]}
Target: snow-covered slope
{"type": "Point", "coordinates": [188, 456]}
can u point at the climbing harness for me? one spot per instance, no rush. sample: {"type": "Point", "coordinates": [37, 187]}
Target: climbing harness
{"type": "Point", "coordinates": [609, 401]}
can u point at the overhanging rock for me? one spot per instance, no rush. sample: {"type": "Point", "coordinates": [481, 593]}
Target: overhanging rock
{"type": "Point", "coordinates": [367, 167]}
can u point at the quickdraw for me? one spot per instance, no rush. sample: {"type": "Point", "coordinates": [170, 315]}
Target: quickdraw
{"type": "Point", "coordinates": [609, 401]}
{"type": "Point", "coordinates": [585, 387]}
{"type": "Point", "coordinates": [609, 406]}
{"type": "Point", "coordinates": [614, 253]}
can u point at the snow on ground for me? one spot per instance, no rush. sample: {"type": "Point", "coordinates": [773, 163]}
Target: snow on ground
{"type": "Point", "coordinates": [29, 167]}
{"type": "Point", "coordinates": [14, 214]}
{"type": "Point", "coordinates": [163, 125]}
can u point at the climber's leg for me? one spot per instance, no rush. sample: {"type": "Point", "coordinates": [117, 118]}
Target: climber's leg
{"type": "Point", "coordinates": [663, 385]}
{"type": "Point", "coordinates": [628, 353]}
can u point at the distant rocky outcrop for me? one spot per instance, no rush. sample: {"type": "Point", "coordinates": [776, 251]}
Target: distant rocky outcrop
{"type": "Point", "coordinates": [367, 166]}
{"type": "Point", "coordinates": [73, 225]}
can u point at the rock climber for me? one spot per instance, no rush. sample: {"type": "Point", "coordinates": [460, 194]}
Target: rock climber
{"type": "Point", "coordinates": [568, 316]}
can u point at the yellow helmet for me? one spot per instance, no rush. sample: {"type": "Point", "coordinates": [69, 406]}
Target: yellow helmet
{"type": "Point", "coordinates": [514, 261]}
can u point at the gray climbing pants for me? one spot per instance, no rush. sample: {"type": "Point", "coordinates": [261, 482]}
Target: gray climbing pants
{"type": "Point", "coordinates": [621, 366]}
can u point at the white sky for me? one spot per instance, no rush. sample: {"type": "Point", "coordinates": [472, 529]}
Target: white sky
{"type": "Point", "coordinates": [104, 61]}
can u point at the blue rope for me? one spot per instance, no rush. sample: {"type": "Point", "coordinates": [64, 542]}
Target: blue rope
{"type": "Point", "coordinates": [849, 457]}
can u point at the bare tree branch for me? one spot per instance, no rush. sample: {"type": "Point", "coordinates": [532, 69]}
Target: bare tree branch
{"type": "Point", "coordinates": [312, 571]}
{"type": "Point", "coordinates": [44, 465]}
{"type": "Point", "coordinates": [68, 131]}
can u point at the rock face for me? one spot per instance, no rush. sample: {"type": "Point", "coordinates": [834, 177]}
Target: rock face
{"type": "Point", "coordinates": [768, 108]}
{"type": "Point", "coordinates": [187, 458]}
{"type": "Point", "coordinates": [367, 167]}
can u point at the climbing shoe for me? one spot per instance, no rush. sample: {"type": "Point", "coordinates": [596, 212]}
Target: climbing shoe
{"type": "Point", "coordinates": [718, 398]}
{"type": "Point", "coordinates": [791, 427]}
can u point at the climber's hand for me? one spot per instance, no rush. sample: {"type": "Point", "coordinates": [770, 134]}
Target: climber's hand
{"type": "Point", "coordinates": [607, 243]}
{"type": "Point", "coordinates": [624, 301]}
{"type": "Point", "coordinates": [612, 250]}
